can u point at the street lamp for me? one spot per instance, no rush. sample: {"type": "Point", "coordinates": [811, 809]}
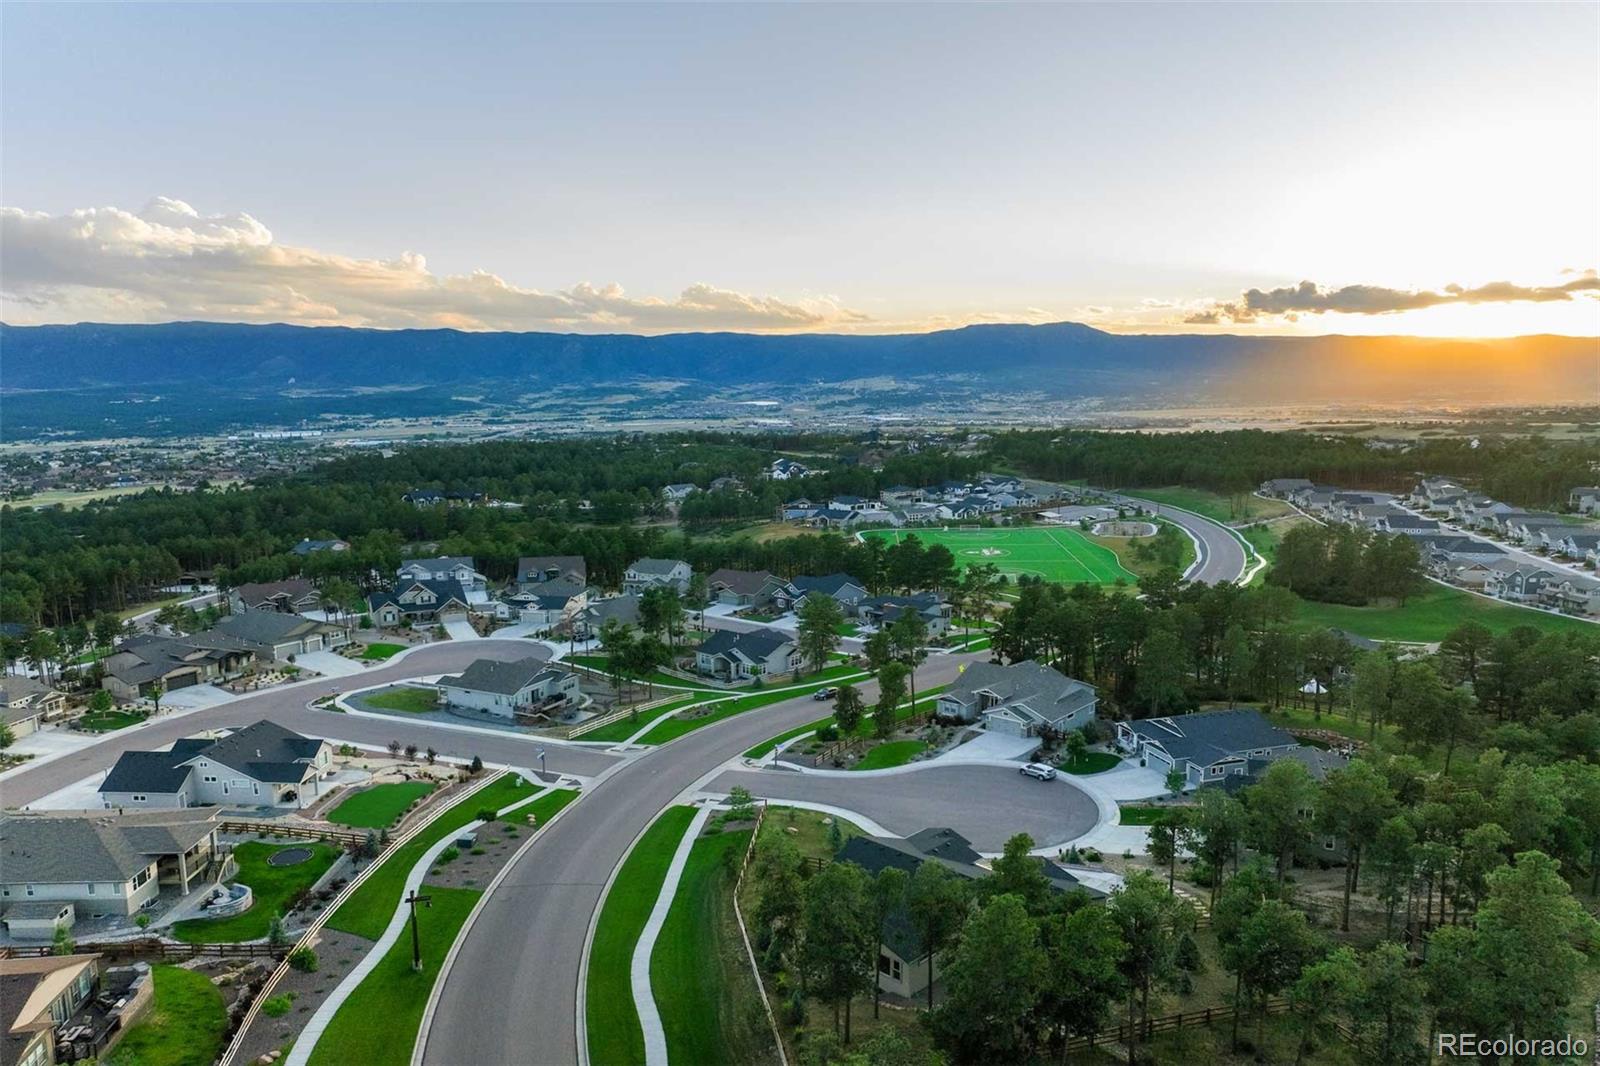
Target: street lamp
{"type": "Point", "coordinates": [416, 942]}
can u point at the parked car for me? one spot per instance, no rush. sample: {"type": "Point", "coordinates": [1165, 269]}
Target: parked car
{"type": "Point", "coordinates": [824, 694]}
{"type": "Point", "coordinates": [1039, 770]}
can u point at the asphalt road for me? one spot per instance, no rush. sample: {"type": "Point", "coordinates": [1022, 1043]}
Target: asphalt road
{"type": "Point", "coordinates": [1221, 557]}
{"type": "Point", "coordinates": [512, 993]}
{"type": "Point", "coordinates": [964, 798]}
{"type": "Point", "coordinates": [287, 707]}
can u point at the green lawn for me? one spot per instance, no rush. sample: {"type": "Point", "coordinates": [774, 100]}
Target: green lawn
{"type": "Point", "coordinates": [891, 753]}
{"type": "Point", "coordinates": [106, 721]}
{"type": "Point", "coordinates": [1239, 507]}
{"type": "Point", "coordinates": [863, 730]}
{"type": "Point", "coordinates": [381, 651]}
{"type": "Point", "coordinates": [377, 1025]}
{"type": "Point", "coordinates": [623, 728]}
{"type": "Point", "coordinates": [1141, 815]}
{"type": "Point", "coordinates": [709, 1004]}
{"type": "Point", "coordinates": [185, 1025]}
{"type": "Point", "coordinates": [1431, 615]}
{"type": "Point", "coordinates": [673, 728]}
{"type": "Point", "coordinates": [413, 700]}
{"type": "Point", "coordinates": [273, 886]}
{"type": "Point", "coordinates": [367, 912]}
{"type": "Point", "coordinates": [657, 677]}
{"type": "Point", "coordinates": [1092, 762]}
{"type": "Point", "coordinates": [615, 1037]}
{"type": "Point", "coordinates": [380, 806]}
{"type": "Point", "coordinates": [847, 629]}
{"type": "Point", "coordinates": [1056, 553]}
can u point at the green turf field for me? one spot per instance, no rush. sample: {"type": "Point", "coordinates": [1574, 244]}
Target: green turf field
{"type": "Point", "coordinates": [1055, 553]}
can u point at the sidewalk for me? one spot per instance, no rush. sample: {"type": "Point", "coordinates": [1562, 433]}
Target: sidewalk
{"type": "Point", "coordinates": [655, 1037]}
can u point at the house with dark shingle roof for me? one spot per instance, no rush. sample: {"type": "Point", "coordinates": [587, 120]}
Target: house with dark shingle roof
{"type": "Point", "coordinates": [740, 588]}
{"type": "Point", "coordinates": [902, 959]}
{"type": "Point", "coordinates": [883, 611]}
{"type": "Point", "coordinates": [462, 569]}
{"type": "Point", "coordinates": [104, 863]}
{"type": "Point", "coordinates": [527, 686]}
{"type": "Point", "coordinates": [844, 589]}
{"type": "Point", "coordinates": [735, 656]}
{"type": "Point", "coordinates": [24, 703]}
{"type": "Point", "coordinates": [262, 765]}
{"type": "Point", "coordinates": [291, 596]}
{"type": "Point", "coordinates": [539, 569]}
{"type": "Point", "coordinates": [588, 622]}
{"type": "Point", "coordinates": [142, 663]}
{"type": "Point", "coordinates": [418, 601]}
{"type": "Point", "coordinates": [309, 546]}
{"type": "Point", "coordinates": [1022, 699]}
{"type": "Point", "coordinates": [1205, 747]}
{"type": "Point", "coordinates": [281, 637]}
{"type": "Point", "coordinates": [650, 573]}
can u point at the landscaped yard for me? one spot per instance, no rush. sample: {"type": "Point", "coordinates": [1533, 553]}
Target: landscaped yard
{"type": "Point", "coordinates": [863, 730]}
{"type": "Point", "coordinates": [1090, 762]}
{"type": "Point", "coordinates": [891, 753]}
{"type": "Point", "coordinates": [367, 912]}
{"type": "Point", "coordinates": [612, 1018]}
{"type": "Point", "coordinates": [274, 887]}
{"type": "Point", "coordinates": [404, 698]}
{"type": "Point", "coordinates": [623, 728]}
{"type": "Point", "coordinates": [378, 1024]}
{"type": "Point", "coordinates": [185, 1025]}
{"type": "Point", "coordinates": [847, 629]}
{"type": "Point", "coordinates": [380, 806]}
{"type": "Point", "coordinates": [709, 1003]}
{"type": "Point", "coordinates": [1431, 615]}
{"type": "Point", "coordinates": [381, 651]}
{"type": "Point", "coordinates": [1141, 815]}
{"type": "Point", "coordinates": [106, 721]}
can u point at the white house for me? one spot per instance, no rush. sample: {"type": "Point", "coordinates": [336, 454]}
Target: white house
{"type": "Point", "coordinates": [759, 652]}
{"type": "Point", "coordinates": [652, 573]}
{"type": "Point", "coordinates": [1020, 700]}
{"type": "Point", "coordinates": [263, 765]}
{"type": "Point", "coordinates": [528, 686]}
{"type": "Point", "coordinates": [458, 568]}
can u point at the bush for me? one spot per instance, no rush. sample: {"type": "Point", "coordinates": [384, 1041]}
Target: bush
{"type": "Point", "coordinates": [828, 733]}
{"type": "Point", "coordinates": [450, 854]}
{"type": "Point", "coordinates": [277, 1006]}
{"type": "Point", "coordinates": [486, 814]}
{"type": "Point", "coordinates": [366, 621]}
{"type": "Point", "coordinates": [304, 960]}
{"type": "Point", "coordinates": [143, 921]}
{"type": "Point", "coordinates": [477, 765]}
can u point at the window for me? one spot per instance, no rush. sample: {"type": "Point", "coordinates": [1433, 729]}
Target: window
{"type": "Point", "coordinates": [888, 964]}
{"type": "Point", "coordinates": [141, 877]}
{"type": "Point", "coordinates": [91, 888]}
{"type": "Point", "coordinates": [139, 797]}
{"type": "Point", "coordinates": [211, 778]}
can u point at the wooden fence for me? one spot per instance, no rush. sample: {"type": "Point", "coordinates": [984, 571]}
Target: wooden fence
{"type": "Point", "coordinates": [1170, 1023]}
{"type": "Point", "coordinates": [151, 947]}
{"type": "Point", "coordinates": [744, 934]}
{"type": "Point", "coordinates": [616, 716]}
{"type": "Point", "coordinates": [344, 837]}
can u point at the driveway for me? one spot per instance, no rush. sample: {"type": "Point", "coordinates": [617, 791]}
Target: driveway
{"type": "Point", "coordinates": [196, 696]}
{"type": "Point", "coordinates": [985, 804]}
{"type": "Point", "coordinates": [990, 747]}
{"type": "Point", "coordinates": [460, 629]}
{"type": "Point", "coordinates": [329, 663]}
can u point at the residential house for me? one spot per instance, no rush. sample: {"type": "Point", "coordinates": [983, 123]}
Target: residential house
{"type": "Point", "coordinates": [1022, 699]}
{"type": "Point", "coordinates": [141, 665]}
{"type": "Point", "coordinates": [1574, 595]}
{"type": "Point", "coordinates": [787, 470]}
{"type": "Point", "coordinates": [882, 611]}
{"type": "Point", "coordinates": [308, 546]}
{"type": "Point", "coordinates": [418, 601]}
{"type": "Point", "coordinates": [461, 569]}
{"type": "Point", "coordinates": [903, 963]}
{"type": "Point", "coordinates": [740, 588]}
{"type": "Point", "coordinates": [262, 765]}
{"type": "Point", "coordinates": [105, 864]}
{"type": "Point", "coordinates": [1284, 487]}
{"type": "Point", "coordinates": [539, 569]}
{"type": "Point", "coordinates": [549, 604]}
{"type": "Point", "coordinates": [59, 1008]}
{"type": "Point", "coordinates": [650, 573]}
{"type": "Point", "coordinates": [851, 503]}
{"type": "Point", "coordinates": [1206, 746]}
{"type": "Point", "coordinates": [843, 588]}
{"type": "Point", "coordinates": [1585, 499]}
{"type": "Point", "coordinates": [594, 615]}
{"type": "Point", "coordinates": [291, 597]}
{"type": "Point", "coordinates": [526, 687]}
{"type": "Point", "coordinates": [678, 493]}
{"type": "Point", "coordinates": [1397, 521]}
{"type": "Point", "coordinates": [900, 495]}
{"type": "Point", "coordinates": [282, 637]}
{"type": "Point", "coordinates": [25, 704]}
{"type": "Point", "coordinates": [1579, 544]}
{"type": "Point", "coordinates": [735, 656]}
{"type": "Point", "coordinates": [435, 498]}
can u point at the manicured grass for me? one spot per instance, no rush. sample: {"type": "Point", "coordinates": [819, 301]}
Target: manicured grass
{"type": "Point", "coordinates": [273, 887]}
{"type": "Point", "coordinates": [185, 1025]}
{"type": "Point", "coordinates": [106, 721]}
{"type": "Point", "coordinates": [677, 727]}
{"type": "Point", "coordinates": [1240, 507]}
{"type": "Point", "coordinates": [863, 730]}
{"type": "Point", "coordinates": [891, 753]}
{"type": "Point", "coordinates": [811, 835]}
{"type": "Point", "coordinates": [624, 728]}
{"type": "Point", "coordinates": [612, 1018]}
{"type": "Point", "coordinates": [1141, 815]}
{"type": "Point", "coordinates": [377, 1025]}
{"type": "Point", "coordinates": [380, 806]}
{"type": "Point", "coordinates": [367, 912]}
{"type": "Point", "coordinates": [847, 629]}
{"type": "Point", "coordinates": [1056, 553]}
{"type": "Point", "coordinates": [1091, 762]}
{"type": "Point", "coordinates": [412, 700]}
{"type": "Point", "coordinates": [381, 651]}
{"type": "Point", "coordinates": [655, 677]}
{"type": "Point", "coordinates": [1431, 615]}
{"type": "Point", "coordinates": [709, 1004]}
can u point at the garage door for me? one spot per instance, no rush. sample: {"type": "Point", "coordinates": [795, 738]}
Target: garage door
{"type": "Point", "coordinates": [182, 681]}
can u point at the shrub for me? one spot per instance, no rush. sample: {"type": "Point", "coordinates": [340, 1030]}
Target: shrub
{"type": "Point", "coordinates": [304, 960]}
{"type": "Point", "coordinates": [486, 814]}
{"type": "Point", "coordinates": [276, 1006]}
{"type": "Point", "coordinates": [143, 921]}
{"type": "Point", "coordinates": [828, 732]}
{"type": "Point", "coordinates": [277, 936]}
{"type": "Point", "coordinates": [477, 765]}
{"type": "Point", "coordinates": [450, 854]}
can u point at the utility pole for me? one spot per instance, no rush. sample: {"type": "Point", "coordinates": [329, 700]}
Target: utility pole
{"type": "Point", "coordinates": [416, 942]}
{"type": "Point", "coordinates": [541, 762]}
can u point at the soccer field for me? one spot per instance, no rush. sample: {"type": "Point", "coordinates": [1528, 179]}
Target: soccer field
{"type": "Point", "coordinates": [1056, 553]}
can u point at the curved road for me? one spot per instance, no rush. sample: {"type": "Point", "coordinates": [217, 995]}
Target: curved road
{"type": "Point", "coordinates": [512, 993]}
{"type": "Point", "coordinates": [1220, 555]}
{"type": "Point", "coordinates": [287, 707]}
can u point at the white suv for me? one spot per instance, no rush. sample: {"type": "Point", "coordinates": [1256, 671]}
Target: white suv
{"type": "Point", "coordinates": [1039, 770]}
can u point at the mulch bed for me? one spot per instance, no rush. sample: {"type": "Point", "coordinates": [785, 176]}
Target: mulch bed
{"type": "Point", "coordinates": [476, 871]}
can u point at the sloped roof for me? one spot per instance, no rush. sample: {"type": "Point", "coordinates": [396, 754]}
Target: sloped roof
{"type": "Point", "coordinates": [830, 584]}
{"type": "Point", "coordinates": [258, 592]}
{"type": "Point", "coordinates": [268, 627]}
{"type": "Point", "coordinates": [266, 751]}
{"type": "Point", "coordinates": [744, 582]}
{"type": "Point", "coordinates": [530, 566]}
{"type": "Point", "coordinates": [53, 848]}
{"type": "Point", "coordinates": [660, 567]}
{"type": "Point", "coordinates": [441, 562]}
{"type": "Point", "coordinates": [162, 772]}
{"type": "Point", "coordinates": [1048, 692]}
{"type": "Point", "coordinates": [1207, 736]}
{"type": "Point", "coordinates": [754, 645]}
{"type": "Point", "coordinates": [501, 678]}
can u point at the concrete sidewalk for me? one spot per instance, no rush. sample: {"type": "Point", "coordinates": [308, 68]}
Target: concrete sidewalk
{"type": "Point", "coordinates": [655, 1036]}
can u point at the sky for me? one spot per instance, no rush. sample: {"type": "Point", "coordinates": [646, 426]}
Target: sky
{"type": "Point", "coordinates": [1297, 168]}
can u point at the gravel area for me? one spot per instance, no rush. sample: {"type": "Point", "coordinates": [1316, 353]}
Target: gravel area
{"type": "Point", "coordinates": [337, 954]}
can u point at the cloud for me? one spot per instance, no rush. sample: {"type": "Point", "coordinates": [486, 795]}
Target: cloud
{"type": "Point", "coordinates": [169, 262]}
{"type": "Point", "coordinates": [1310, 298]}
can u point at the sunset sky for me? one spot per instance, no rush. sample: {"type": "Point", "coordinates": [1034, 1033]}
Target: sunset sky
{"type": "Point", "coordinates": [1292, 168]}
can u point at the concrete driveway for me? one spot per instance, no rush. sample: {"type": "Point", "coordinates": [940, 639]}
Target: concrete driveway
{"type": "Point", "coordinates": [460, 629]}
{"type": "Point", "coordinates": [329, 663]}
{"type": "Point", "coordinates": [196, 696]}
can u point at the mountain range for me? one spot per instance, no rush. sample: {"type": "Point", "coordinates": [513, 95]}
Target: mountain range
{"type": "Point", "coordinates": [1062, 360]}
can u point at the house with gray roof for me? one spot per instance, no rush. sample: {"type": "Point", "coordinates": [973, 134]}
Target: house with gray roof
{"type": "Point", "coordinates": [104, 864]}
{"type": "Point", "coordinates": [310, 547]}
{"type": "Point", "coordinates": [144, 663]}
{"type": "Point", "coordinates": [844, 589]}
{"type": "Point", "coordinates": [262, 765]}
{"type": "Point", "coordinates": [903, 964]}
{"type": "Point", "coordinates": [740, 588]}
{"type": "Point", "coordinates": [1284, 487]}
{"type": "Point", "coordinates": [1585, 499]}
{"type": "Point", "coordinates": [291, 596]}
{"type": "Point", "coordinates": [462, 569]}
{"type": "Point", "coordinates": [508, 689]}
{"type": "Point", "coordinates": [418, 601]}
{"type": "Point", "coordinates": [594, 615]}
{"type": "Point", "coordinates": [1022, 699]}
{"type": "Point", "coordinates": [282, 637]}
{"type": "Point", "coordinates": [542, 569]}
{"type": "Point", "coordinates": [883, 611]}
{"type": "Point", "coordinates": [1206, 746]}
{"type": "Point", "coordinates": [25, 703]}
{"type": "Point", "coordinates": [648, 573]}
{"type": "Point", "coordinates": [736, 656]}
